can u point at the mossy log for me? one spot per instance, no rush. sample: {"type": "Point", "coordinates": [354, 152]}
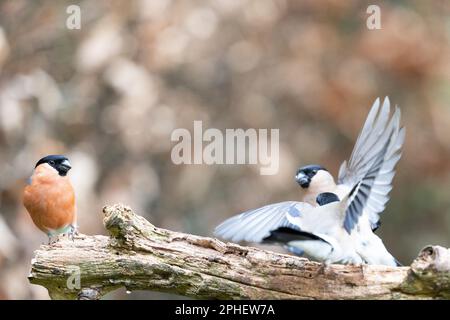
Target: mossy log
{"type": "Point", "coordinates": [140, 256]}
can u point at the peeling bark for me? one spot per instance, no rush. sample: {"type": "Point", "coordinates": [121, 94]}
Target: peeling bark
{"type": "Point", "coordinates": [140, 256]}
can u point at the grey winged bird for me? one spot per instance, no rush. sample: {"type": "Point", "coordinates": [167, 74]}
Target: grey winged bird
{"type": "Point", "coordinates": [334, 222]}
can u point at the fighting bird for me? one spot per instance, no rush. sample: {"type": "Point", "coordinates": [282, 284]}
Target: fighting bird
{"type": "Point", "coordinates": [50, 198]}
{"type": "Point", "coordinates": [334, 222]}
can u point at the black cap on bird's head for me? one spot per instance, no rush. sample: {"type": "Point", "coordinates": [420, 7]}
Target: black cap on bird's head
{"type": "Point", "coordinates": [305, 174]}
{"type": "Point", "coordinates": [58, 162]}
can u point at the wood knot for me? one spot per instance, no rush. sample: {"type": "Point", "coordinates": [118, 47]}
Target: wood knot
{"type": "Point", "coordinates": [432, 257]}
{"type": "Point", "coordinates": [89, 294]}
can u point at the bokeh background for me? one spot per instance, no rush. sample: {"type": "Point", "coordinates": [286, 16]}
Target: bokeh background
{"type": "Point", "coordinates": [110, 95]}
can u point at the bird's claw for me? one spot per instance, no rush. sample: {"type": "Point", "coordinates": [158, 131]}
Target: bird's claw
{"type": "Point", "coordinates": [324, 268]}
{"type": "Point", "coordinates": [73, 232]}
{"type": "Point", "coordinates": [52, 240]}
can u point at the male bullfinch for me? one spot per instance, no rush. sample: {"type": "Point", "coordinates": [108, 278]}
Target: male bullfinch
{"type": "Point", "coordinates": [50, 198]}
{"type": "Point", "coordinates": [363, 187]}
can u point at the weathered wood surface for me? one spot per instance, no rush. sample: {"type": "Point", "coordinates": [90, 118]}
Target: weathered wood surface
{"type": "Point", "coordinates": [140, 256]}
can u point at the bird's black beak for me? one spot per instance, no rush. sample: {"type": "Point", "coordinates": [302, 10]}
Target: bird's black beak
{"type": "Point", "coordinates": [64, 167]}
{"type": "Point", "coordinates": [303, 180]}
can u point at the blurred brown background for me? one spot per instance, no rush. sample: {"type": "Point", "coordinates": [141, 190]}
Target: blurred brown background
{"type": "Point", "coordinates": [109, 96]}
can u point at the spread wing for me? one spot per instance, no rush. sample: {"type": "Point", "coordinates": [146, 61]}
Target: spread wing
{"type": "Point", "coordinates": [255, 225]}
{"type": "Point", "coordinates": [369, 144]}
{"type": "Point", "coordinates": [361, 193]}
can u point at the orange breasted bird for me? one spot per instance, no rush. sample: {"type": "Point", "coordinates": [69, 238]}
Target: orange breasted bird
{"type": "Point", "coordinates": [50, 198]}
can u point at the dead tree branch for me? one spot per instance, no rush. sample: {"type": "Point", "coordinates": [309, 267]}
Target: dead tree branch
{"type": "Point", "coordinates": [140, 256]}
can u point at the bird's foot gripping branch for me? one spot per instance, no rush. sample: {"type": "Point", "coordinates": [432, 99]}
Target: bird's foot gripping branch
{"type": "Point", "coordinates": [140, 256]}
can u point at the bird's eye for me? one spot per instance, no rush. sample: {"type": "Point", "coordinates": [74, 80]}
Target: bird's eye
{"type": "Point", "coordinates": [51, 162]}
